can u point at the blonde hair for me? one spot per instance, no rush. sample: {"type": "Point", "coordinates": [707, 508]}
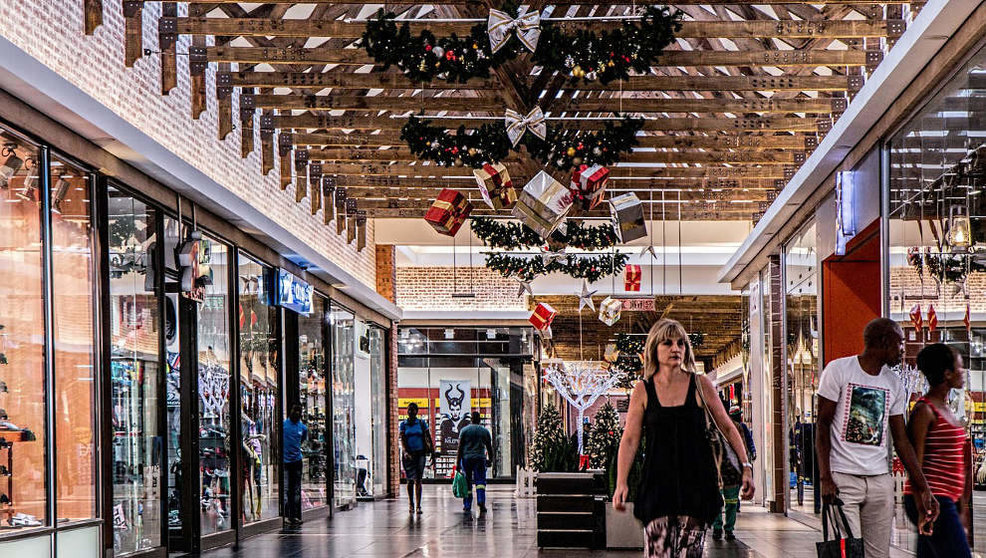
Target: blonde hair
{"type": "Point", "coordinates": [660, 332]}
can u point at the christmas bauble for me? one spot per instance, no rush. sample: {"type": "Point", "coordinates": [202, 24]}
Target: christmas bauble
{"type": "Point", "coordinates": [438, 51]}
{"type": "Point", "coordinates": [570, 151]}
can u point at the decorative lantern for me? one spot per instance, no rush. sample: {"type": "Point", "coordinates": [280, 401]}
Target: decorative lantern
{"type": "Point", "coordinates": [959, 229]}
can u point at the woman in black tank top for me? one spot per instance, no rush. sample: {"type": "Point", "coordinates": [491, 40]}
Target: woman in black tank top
{"type": "Point", "coordinates": [678, 495]}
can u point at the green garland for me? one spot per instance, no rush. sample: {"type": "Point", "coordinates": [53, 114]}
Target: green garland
{"type": "Point", "coordinates": [526, 268]}
{"type": "Point", "coordinates": [565, 148]}
{"type": "Point", "coordinates": [945, 268]}
{"type": "Point", "coordinates": [636, 45]}
{"type": "Point", "coordinates": [509, 235]}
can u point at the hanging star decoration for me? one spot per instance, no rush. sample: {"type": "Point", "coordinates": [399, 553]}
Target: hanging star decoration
{"type": "Point", "coordinates": [525, 286]}
{"type": "Point", "coordinates": [648, 250]}
{"type": "Point", "coordinates": [585, 297]}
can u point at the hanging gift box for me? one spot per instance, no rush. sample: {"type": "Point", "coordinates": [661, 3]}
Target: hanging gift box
{"type": "Point", "coordinates": [609, 311]}
{"type": "Point", "coordinates": [542, 316]}
{"type": "Point", "coordinates": [543, 204]}
{"type": "Point", "coordinates": [495, 185]}
{"type": "Point", "coordinates": [628, 217]}
{"type": "Point", "coordinates": [448, 212]}
{"type": "Point", "coordinates": [589, 185]}
{"type": "Point", "coordinates": [631, 278]}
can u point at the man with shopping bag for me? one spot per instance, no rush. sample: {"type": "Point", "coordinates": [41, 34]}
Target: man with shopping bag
{"type": "Point", "coordinates": [475, 451]}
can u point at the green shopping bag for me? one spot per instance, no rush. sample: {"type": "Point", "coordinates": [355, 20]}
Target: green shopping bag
{"type": "Point", "coordinates": [459, 487]}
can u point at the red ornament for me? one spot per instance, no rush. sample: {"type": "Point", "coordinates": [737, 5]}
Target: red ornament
{"type": "Point", "coordinates": [428, 48]}
{"type": "Point", "coordinates": [612, 54]}
{"type": "Point", "coordinates": [455, 150]}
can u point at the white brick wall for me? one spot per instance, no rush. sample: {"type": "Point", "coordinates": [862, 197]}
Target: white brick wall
{"type": "Point", "coordinates": [431, 288]}
{"type": "Point", "coordinates": [52, 32]}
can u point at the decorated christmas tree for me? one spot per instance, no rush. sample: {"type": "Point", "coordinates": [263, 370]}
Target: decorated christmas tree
{"type": "Point", "coordinates": [603, 440]}
{"type": "Point", "coordinates": [551, 450]}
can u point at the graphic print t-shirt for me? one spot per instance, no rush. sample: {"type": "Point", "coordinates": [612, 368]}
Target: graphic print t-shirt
{"type": "Point", "coordinates": [864, 405]}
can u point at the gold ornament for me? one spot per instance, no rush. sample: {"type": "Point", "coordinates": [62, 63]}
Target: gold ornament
{"type": "Point", "coordinates": [458, 162]}
{"type": "Point", "coordinates": [578, 72]}
{"type": "Point", "coordinates": [472, 151]}
{"type": "Point", "coordinates": [577, 160]}
{"type": "Point", "coordinates": [611, 63]}
{"type": "Point", "coordinates": [570, 151]}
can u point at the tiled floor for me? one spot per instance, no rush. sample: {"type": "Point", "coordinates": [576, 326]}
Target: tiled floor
{"type": "Point", "coordinates": [384, 529]}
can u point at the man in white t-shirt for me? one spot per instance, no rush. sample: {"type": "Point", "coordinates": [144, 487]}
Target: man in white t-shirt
{"type": "Point", "coordinates": [860, 401]}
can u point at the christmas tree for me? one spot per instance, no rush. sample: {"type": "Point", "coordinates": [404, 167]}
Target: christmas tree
{"type": "Point", "coordinates": [551, 450]}
{"type": "Point", "coordinates": [603, 441]}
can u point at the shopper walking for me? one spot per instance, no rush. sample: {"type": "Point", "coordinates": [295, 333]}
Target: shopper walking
{"type": "Point", "coordinates": [417, 444]}
{"type": "Point", "coordinates": [940, 444]}
{"type": "Point", "coordinates": [678, 495]}
{"type": "Point", "coordinates": [732, 482]}
{"type": "Point", "coordinates": [295, 433]}
{"type": "Point", "coordinates": [475, 451]}
{"type": "Point", "coordinates": [860, 400]}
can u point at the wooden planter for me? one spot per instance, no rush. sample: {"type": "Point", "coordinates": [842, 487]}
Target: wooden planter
{"type": "Point", "coordinates": [571, 510]}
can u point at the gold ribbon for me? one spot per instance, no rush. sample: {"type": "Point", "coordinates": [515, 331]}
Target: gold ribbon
{"type": "Point", "coordinates": [500, 25]}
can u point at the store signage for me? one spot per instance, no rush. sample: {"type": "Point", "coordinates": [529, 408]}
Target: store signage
{"type": "Point", "coordinates": [454, 407]}
{"type": "Point", "coordinates": [845, 210]}
{"type": "Point", "coordinates": [638, 304]}
{"type": "Point", "coordinates": [295, 294]}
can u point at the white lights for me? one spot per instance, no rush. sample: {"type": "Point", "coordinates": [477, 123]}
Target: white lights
{"type": "Point", "coordinates": [959, 229]}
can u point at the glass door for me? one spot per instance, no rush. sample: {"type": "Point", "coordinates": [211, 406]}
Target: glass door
{"type": "Point", "coordinates": [312, 397]}
{"type": "Point", "coordinates": [343, 327]}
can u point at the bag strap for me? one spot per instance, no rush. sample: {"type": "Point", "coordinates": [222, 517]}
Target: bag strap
{"type": "Point", "coordinates": [710, 424]}
{"type": "Point", "coordinates": [827, 512]}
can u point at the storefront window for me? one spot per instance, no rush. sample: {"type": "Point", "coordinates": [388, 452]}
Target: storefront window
{"type": "Point", "coordinates": [801, 304]}
{"type": "Point", "coordinates": [22, 334]}
{"type": "Point", "coordinates": [343, 324]}
{"type": "Point", "coordinates": [213, 388]}
{"type": "Point", "coordinates": [259, 372]}
{"type": "Point", "coordinates": [311, 378]}
{"type": "Point", "coordinates": [936, 237]}
{"type": "Point", "coordinates": [450, 372]}
{"type": "Point", "coordinates": [135, 327]}
{"type": "Point", "coordinates": [376, 484]}
{"type": "Point", "coordinates": [172, 338]}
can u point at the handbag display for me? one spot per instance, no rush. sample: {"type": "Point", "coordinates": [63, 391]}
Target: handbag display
{"type": "Point", "coordinates": [728, 467]}
{"type": "Point", "coordinates": [841, 546]}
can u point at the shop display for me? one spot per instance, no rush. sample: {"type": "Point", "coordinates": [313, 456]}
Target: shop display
{"type": "Point", "coordinates": [543, 204]}
{"type": "Point", "coordinates": [496, 186]}
{"type": "Point", "coordinates": [343, 332]}
{"type": "Point", "coordinates": [628, 217]}
{"type": "Point", "coordinates": [448, 212]}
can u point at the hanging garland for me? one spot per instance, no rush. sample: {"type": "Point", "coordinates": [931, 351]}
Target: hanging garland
{"type": "Point", "coordinates": [945, 268]}
{"type": "Point", "coordinates": [696, 338]}
{"type": "Point", "coordinates": [509, 235]}
{"type": "Point", "coordinates": [636, 45]}
{"type": "Point", "coordinates": [526, 268]}
{"type": "Point", "coordinates": [564, 148]}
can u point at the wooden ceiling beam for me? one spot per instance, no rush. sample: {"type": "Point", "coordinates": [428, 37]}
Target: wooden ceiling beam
{"type": "Point", "coordinates": [304, 28]}
{"type": "Point", "coordinates": [379, 80]}
{"type": "Point", "coordinates": [359, 57]}
{"type": "Point", "coordinates": [565, 104]}
{"type": "Point", "coordinates": [774, 124]}
{"type": "Point", "coordinates": [715, 157]}
{"type": "Point", "coordinates": [410, 171]}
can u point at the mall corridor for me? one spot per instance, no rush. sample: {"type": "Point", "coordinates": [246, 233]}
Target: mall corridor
{"type": "Point", "coordinates": [384, 529]}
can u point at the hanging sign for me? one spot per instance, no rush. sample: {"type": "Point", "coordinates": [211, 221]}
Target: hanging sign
{"type": "Point", "coordinates": [845, 210]}
{"type": "Point", "coordinates": [294, 294]}
{"type": "Point", "coordinates": [454, 407]}
{"type": "Point", "coordinates": [638, 304]}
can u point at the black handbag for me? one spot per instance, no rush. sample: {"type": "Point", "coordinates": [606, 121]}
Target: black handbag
{"type": "Point", "coordinates": [843, 545]}
{"type": "Point", "coordinates": [729, 470]}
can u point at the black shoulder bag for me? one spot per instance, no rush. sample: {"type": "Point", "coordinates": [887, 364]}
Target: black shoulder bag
{"type": "Point", "coordinates": [841, 546]}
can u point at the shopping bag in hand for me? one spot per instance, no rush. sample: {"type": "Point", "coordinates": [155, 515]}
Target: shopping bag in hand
{"type": "Point", "coordinates": [459, 487]}
{"type": "Point", "coordinates": [843, 544]}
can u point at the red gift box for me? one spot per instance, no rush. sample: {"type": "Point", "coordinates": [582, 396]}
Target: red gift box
{"type": "Point", "coordinates": [631, 278]}
{"type": "Point", "coordinates": [542, 316]}
{"type": "Point", "coordinates": [589, 185]}
{"type": "Point", "coordinates": [448, 212]}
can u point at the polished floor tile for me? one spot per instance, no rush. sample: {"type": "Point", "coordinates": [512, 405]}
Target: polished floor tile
{"type": "Point", "coordinates": [385, 529]}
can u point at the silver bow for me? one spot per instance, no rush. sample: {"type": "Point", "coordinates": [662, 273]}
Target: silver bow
{"type": "Point", "coordinates": [527, 24]}
{"type": "Point", "coordinates": [518, 124]}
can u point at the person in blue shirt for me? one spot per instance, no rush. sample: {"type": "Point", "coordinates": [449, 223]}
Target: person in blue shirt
{"type": "Point", "coordinates": [475, 451]}
{"type": "Point", "coordinates": [295, 432]}
{"type": "Point", "coordinates": [417, 444]}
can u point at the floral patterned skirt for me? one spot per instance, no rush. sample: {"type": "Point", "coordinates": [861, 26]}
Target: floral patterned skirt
{"type": "Point", "coordinates": [674, 537]}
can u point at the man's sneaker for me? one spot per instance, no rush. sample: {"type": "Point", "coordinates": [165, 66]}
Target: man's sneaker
{"type": "Point", "coordinates": [717, 534]}
{"type": "Point", "coordinates": [482, 509]}
{"type": "Point", "coordinates": [730, 537]}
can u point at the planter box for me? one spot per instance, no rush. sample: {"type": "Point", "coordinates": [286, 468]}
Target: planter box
{"type": "Point", "coordinates": [571, 510]}
{"type": "Point", "coordinates": [623, 531]}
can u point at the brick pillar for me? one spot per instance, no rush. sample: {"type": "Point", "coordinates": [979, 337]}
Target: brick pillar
{"type": "Point", "coordinates": [394, 446]}
{"type": "Point", "coordinates": [386, 271]}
